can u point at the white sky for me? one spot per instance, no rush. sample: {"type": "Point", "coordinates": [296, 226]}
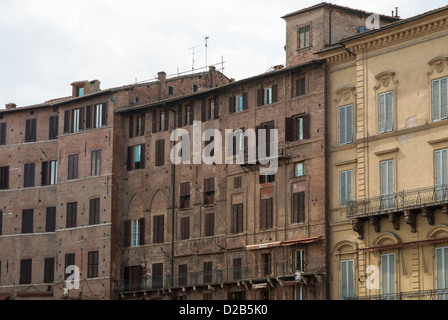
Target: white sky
{"type": "Point", "coordinates": [47, 44]}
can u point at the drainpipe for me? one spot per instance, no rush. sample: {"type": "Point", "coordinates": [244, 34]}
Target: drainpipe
{"type": "Point", "coordinates": [329, 40]}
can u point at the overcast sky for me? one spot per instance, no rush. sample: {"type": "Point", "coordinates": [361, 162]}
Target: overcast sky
{"type": "Point", "coordinates": [48, 44]}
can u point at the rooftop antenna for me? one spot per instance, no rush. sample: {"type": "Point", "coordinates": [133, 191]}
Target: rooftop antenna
{"type": "Point", "coordinates": [193, 53]}
{"type": "Point", "coordinates": [206, 45]}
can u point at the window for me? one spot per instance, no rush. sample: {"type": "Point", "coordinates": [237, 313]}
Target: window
{"type": "Point", "coordinates": [137, 125]}
{"type": "Point", "coordinates": [132, 277]}
{"type": "Point", "coordinates": [80, 92]}
{"type": "Point", "coordinates": [72, 208]}
{"type": "Point", "coordinates": [4, 178]}
{"type": "Point", "coordinates": [49, 173]}
{"type": "Point", "coordinates": [266, 215]}
{"type": "Point", "coordinates": [386, 111]}
{"type": "Point", "coordinates": [72, 166]}
{"type": "Point", "coordinates": [441, 172]}
{"type": "Point", "coordinates": [299, 169]}
{"type": "Point", "coordinates": [136, 157]}
{"type": "Point", "coordinates": [300, 87]}
{"type": "Point", "coordinates": [298, 207]}
{"type": "Point", "coordinates": [2, 133]}
{"type": "Point", "coordinates": [54, 123]}
{"type": "Point", "coordinates": [237, 269]}
{"type": "Point", "coordinates": [170, 90]}
{"type": "Point", "coordinates": [345, 187]}
{"type": "Point", "coordinates": [299, 260]}
{"type": "Point", "coordinates": [183, 274]}
{"type": "Point", "coordinates": [213, 109]}
{"type": "Point", "coordinates": [266, 178]}
{"type": "Point", "coordinates": [69, 261]}
{"type": "Point", "coordinates": [267, 146]}
{"type": "Point", "coordinates": [208, 272]}
{"type": "Point", "coordinates": [30, 132]}
{"type": "Point", "coordinates": [1, 225]}
{"type": "Point", "coordinates": [441, 273]}
{"type": "Point", "coordinates": [388, 274]}
{"type": "Point", "coordinates": [157, 275]}
{"type": "Point", "coordinates": [237, 182]}
{"type": "Point", "coordinates": [158, 229]}
{"type": "Point", "coordinates": [27, 220]}
{"type": "Point", "coordinates": [209, 224]}
{"type": "Point", "coordinates": [77, 120]}
{"type": "Point", "coordinates": [100, 115]}
{"type": "Point", "coordinates": [29, 175]}
{"type": "Point", "coordinates": [266, 264]}
{"type": "Point", "coordinates": [95, 163]}
{"type": "Point", "coordinates": [185, 195]}
{"type": "Point", "coordinates": [345, 124]}
{"type": "Point", "coordinates": [163, 120]}
{"type": "Point", "coordinates": [25, 271]}
{"type": "Point", "coordinates": [267, 95]}
{"type": "Point", "coordinates": [189, 113]}
{"type": "Point", "coordinates": [135, 235]}
{"type": "Point", "coordinates": [94, 211]}
{"type": "Point", "coordinates": [49, 270]}
{"type": "Point", "coordinates": [160, 153]}
{"type": "Point", "coordinates": [439, 99]}
{"type": "Point", "coordinates": [347, 279]}
{"type": "Point", "coordinates": [92, 264]}
{"type": "Point", "coordinates": [387, 184]}
{"type": "Point", "coordinates": [185, 228]}
{"type": "Point", "coordinates": [297, 128]}
{"type": "Point", "coordinates": [50, 219]}
{"type": "Point", "coordinates": [237, 218]}
{"type": "Point", "coordinates": [238, 103]}
{"type": "Point", "coordinates": [304, 37]}
{"type": "Point", "coordinates": [209, 191]}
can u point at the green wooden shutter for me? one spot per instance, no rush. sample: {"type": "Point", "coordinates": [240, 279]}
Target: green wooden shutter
{"type": "Point", "coordinates": [342, 125]}
{"type": "Point", "coordinates": [347, 279]}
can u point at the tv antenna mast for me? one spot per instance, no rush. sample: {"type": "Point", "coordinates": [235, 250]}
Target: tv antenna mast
{"type": "Point", "coordinates": [206, 46]}
{"type": "Point", "coordinates": [193, 53]}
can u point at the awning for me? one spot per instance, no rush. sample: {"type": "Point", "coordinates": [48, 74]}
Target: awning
{"type": "Point", "coordinates": [4, 296]}
{"type": "Point", "coordinates": [282, 243]}
{"type": "Point", "coordinates": [405, 244]}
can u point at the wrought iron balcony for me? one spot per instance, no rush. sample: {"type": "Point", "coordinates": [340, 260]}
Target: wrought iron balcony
{"type": "Point", "coordinates": [406, 202]}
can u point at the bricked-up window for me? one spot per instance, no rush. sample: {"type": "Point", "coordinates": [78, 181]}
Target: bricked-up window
{"type": "Point", "coordinates": [54, 123]}
{"type": "Point", "coordinates": [132, 278]}
{"type": "Point", "coordinates": [69, 261]}
{"type": "Point", "coordinates": [238, 103]}
{"type": "Point", "coordinates": [158, 231]}
{"type": "Point", "coordinates": [183, 274]}
{"type": "Point", "coordinates": [237, 269]}
{"type": "Point", "coordinates": [300, 87]}
{"type": "Point", "coordinates": [50, 225]}
{"type": "Point", "coordinates": [25, 271]}
{"type": "Point", "coordinates": [185, 195]}
{"type": "Point", "coordinates": [72, 208]}
{"type": "Point", "coordinates": [185, 228]}
{"type": "Point", "coordinates": [297, 128]}
{"type": "Point", "coordinates": [92, 264]}
{"type": "Point", "coordinates": [2, 133]}
{"type": "Point", "coordinates": [298, 207]}
{"type": "Point", "coordinates": [237, 182]}
{"type": "Point", "coordinates": [209, 191]}
{"type": "Point", "coordinates": [72, 167]}
{"type": "Point", "coordinates": [49, 270]}
{"type": "Point", "coordinates": [209, 224]}
{"type": "Point", "coordinates": [30, 130]}
{"type": "Point", "coordinates": [266, 213]}
{"type": "Point", "coordinates": [49, 173]}
{"type": "Point", "coordinates": [267, 95]}
{"type": "Point", "coordinates": [304, 35]}
{"type": "Point", "coordinates": [29, 175]}
{"type": "Point", "coordinates": [208, 272]}
{"type": "Point", "coordinates": [266, 264]}
{"type": "Point", "coordinates": [237, 218]}
{"type": "Point", "coordinates": [137, 125]}
{"type": "Point", "coordinates": [136, 157]}
{"type": "Point", "coordinates": [27, 220]}
{"type": "Point", "coordinates": [4, 178]}
{"type": "Point", "coordinates": [94, 211]}
{"type": "Point", "coordinates": [95, 163]}
{"type": "Point", "coordinates": [160, 152]}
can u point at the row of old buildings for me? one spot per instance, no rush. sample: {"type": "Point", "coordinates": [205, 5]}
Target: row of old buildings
{"type": "Point", "coordinates": [93, 207]}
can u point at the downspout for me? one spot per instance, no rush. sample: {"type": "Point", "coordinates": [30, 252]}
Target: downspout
{"type": "Point", "coordinates": [329, 40]}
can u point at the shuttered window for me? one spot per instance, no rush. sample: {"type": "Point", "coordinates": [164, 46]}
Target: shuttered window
{"type": "Point", "coordinates": [441, 269]}
{"type": "Point", "coordinates": [50, 225]}
{"type": "Point", "coordinates": [100, 115]}
{"type": "Point", "coordinates": [137, 232]}
{"type": "Point", "coordinates": [304, 37]}
{"type": "Point", "coordinates": [237, 218]}
{"type": "Point", "coordinates": [72, 166]}
{"type": "Point", "coordinates": [237, 182]}
{"type": "Point", "coordinates": [72, 208]}
{"type": "Point", "coordinates": [158, 229]}
{"type": "Point", "coordinates": [386, 111]}
{"type": "Point", "coordinates": [30, 130]}
{"type": "Point", "coordinates": [345, 124]}
{"type": "Point", "coordinates": [208, 272]}
{"type": "Point", "coordinates": [2, 133]}
{"type": "Point", "coordinates": [267, 95]}
{"type": "Point", "coordinates": [347, 279]}
{"type": "Point", "coordinates": [238, 103]}
{"type": "Point", "coordinates": [54, 123]}
{"type": "Point", "coordinates": [95, 163]}
{"type": "Point", "coordinates": [49, 270]}
{"type": "Point", "coordinates": [345, 187]}
{"type": "Point", "coordinates": [298, 207]}
{"type": "Point", "coordinates": [4, 178]}
{"type": "Point", "coordinates": [185, 195]}
{"type": "Point", "coordinates": [441, 173]}
{"type": "Point", "coordinates": [1, 226]}
{"type": "Point", "coordinates": [209, 191]}
{"type": "Point", "coordinates": [387, 184]}
{"type": "Point", "coordinates": [183, 274]}
{"type": "Point", "coordinates": [136, 157]}
{"type": "Point", "coordinates": [27, 220]}
{"type": "Point", "coordinates": [266, 213]}
{"type": "Point", "coordinates": [157, 275]}
{"type": "Point", "coordinates": [297, 128]}
{"type": "Point", "coordinates": [300, 87]}
{"type": "Point", "coordinates": [49, 173]}
{"type": "Point", "coordinates": [92, 264]}
{"type": "Point", "coordinates": [25, 271]}
{"type": "Point", "coordinates": [185, 228]}
{"type": "Point", "coordinates": [29, 175]}
{"type": "Point", "coordinates": [69, 261]}
{"type": "Point", "coordinates": [94, 211]}
{"type": "Point", "coordinates": [237, 269]}
{"type": "Point", "coordinates": [439, 99]}
{"type": "Point", "coordinates": [209, 224]}
{"type": "Point", "coordinates": [388, 274]}
{"type": "Point", "coordinates": [160, 152]}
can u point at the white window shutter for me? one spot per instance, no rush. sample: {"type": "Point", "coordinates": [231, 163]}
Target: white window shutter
{"type": "Point", "coordinates": [435, 100]}
{"type": "Point", "coordinates": [389, 111]}
{"type": "Point", "coordinates": [349, 117]}
{"type": "Point", "coordinates": [443, 98]}
{"type": "Point", "coordinates": [382, 113]}
{"type": "Point", "coordinates": [342, 126]}
{"type": "Point", "coordinates": [343, 189]}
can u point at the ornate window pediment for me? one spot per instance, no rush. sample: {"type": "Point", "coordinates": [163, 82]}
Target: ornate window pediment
{"type": "Point", "coordinates": [345, 95]}
{"type": "Point", "coordinates": [385, 79]}
{"type": "Point", "coordinates": [438, 64]}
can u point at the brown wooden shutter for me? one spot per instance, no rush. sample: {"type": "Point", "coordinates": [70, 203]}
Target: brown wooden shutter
{"type": "Point", "coordinates": [141, 223]}
{"type": "Point", "coordinates": [209, 185]}
{"type": "Point", "coordinates": [289, 129]}
{"type": "Point", "coordinates": [131, 126]}
{"type": "Point", "coordinates": [245, 102]}
{"type": "Point", "coordinates": [185, 189]}
{"type": "Point", "coordinates": [274, 93]}
{"type": "Point", "coordinates": [240, 217]}
{"type": "Point", "coordinates": [154, 121]}
{"type": "Point", "coordinates": [142, 156]}
{"type": "Point", "coordinates": [44, 173]}
{"type": "Point", "coordinates": [179, 116]}
{"type": "Point", "coordinates": [3, 133]}
{"type": "Point", "coordinates": [66, 121]}
{"type": "Point", "coordinates": [191, 112]}
{"type": "Point", "coordinates": [263, 214]}
{"type": "Point", "coordinates": [143, 124]}
{"type": "Point", "coordinates": [306, 126]}
{"type": "Point", "coordinates": [81, 119]}
{"type": "Point", "coordinates": [203, 110]}
{"type": "Point", "coordinates": [209, 224]}
{"type": "Point", "coordinates": [216, 107]}
{"type": "Point", "coordinates": [160, 152]}
{"type": "Point", "coordinates": [260, 97]}
{"type": "Point", "coordinates": [129, 158]}
{"type": "Point", "coordinates": [104, 115]}
{"type": "Point", "coordinates": [127, 233]}
{"type": "Point", "coordinates": [89, 117]}
{"type": "Point", "coordinates": [232, 104]}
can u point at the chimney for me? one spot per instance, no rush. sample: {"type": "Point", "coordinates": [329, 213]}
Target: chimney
{"type": "Point", "coordinates": [10, 106]}
{"type": "Point", "coordinates": [161, 76]}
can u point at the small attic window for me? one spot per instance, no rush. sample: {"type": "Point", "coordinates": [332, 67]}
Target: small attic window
{"type": "Point", "coordinates": [80, 91]}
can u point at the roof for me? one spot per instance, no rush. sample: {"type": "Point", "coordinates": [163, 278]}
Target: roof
{"type": "Point", "coordinates": [338, 7]}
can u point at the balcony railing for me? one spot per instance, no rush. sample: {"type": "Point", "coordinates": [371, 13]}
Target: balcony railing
{"type": "Point", "coordinates": [398, 201]}
{"type": "Point", "coordinates": [435, 294]}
